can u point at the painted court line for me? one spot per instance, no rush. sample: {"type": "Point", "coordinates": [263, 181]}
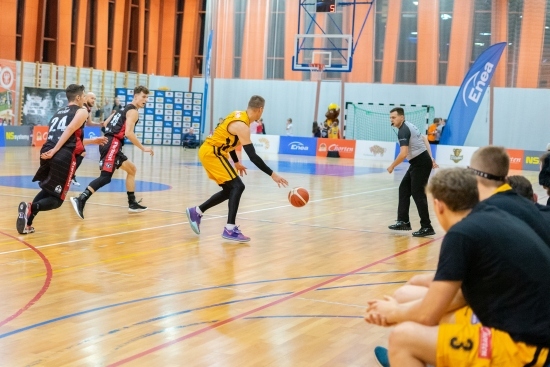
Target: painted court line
{"type": "Point", "coordinates": [257, 309]}
{"type": "Point", "coordinates": [42, 290]}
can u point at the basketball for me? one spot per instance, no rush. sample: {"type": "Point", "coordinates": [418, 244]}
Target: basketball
{"type": "Point", "coordinates": [298, 197]}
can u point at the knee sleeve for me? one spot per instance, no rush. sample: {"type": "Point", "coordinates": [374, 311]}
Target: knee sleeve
{"type": "Point", "coordinates": [102, 180]}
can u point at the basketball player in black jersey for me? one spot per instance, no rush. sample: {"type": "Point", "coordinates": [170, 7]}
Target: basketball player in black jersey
{"type": "Point", "coordinates": [120, 125]}
{"type": "Point", "coordinates": [57, 160]}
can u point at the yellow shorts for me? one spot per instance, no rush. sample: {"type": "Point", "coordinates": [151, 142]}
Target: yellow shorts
{"type": "Point", "coordinates": [469, 344]}
{"type": "Point", "coordinates": [216, 164]}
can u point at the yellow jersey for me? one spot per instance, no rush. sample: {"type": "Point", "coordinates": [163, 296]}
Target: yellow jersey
{"type": "Point", "coordinates": [222, 138]}
{"type": "Point", "coordinates": [334, 133]}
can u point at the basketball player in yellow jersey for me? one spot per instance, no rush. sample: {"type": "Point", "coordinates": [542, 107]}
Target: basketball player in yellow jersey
{"type": "Point", "coordinates": [234, 129]}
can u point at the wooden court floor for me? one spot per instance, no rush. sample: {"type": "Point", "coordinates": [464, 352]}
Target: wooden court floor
{"type": "Point", "coordinates": [143, 290]}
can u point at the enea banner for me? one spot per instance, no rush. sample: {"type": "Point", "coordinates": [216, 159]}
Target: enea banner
{"type": "Point", "coordinates": [470, 95]}
{"type": "Point", "coordinates": [454, 156]}
{"type": "Point", "coordinates": [329, 147]}
{"type": "Point", "coordinates": [8, 70]}
{"type": "Point", "coordinates": [298, 145]}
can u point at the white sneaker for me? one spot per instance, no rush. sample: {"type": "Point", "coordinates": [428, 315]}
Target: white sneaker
{"type": "Point", "coordinates": [75, 182]}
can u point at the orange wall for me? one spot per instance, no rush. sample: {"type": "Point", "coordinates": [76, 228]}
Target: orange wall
{"type": "Point", "coordinates": [8, 9]}
{"type": "Point", "coordinates": [224, 40]}
{"type": "Point", "coordinates": [460, 51]}
{"type": "Point", "coordinates": [101, 34]}
{"type": "Point", "coordinates": [64, 31]}
{"type": "Point", "coordinates": [166, 38]}
{"type": "Point", "coordinates": [531, 42]}
{"type": "Point", "coordinates": [391, 42]}
{"type": "Point", "coordinates": [255, 40]}
{"type": "Point", "coordinates": [427, 52]}
{"type": "Point", "coordinates": [499, 33]}
{"type": "Point", "coordinates": [189, 39]}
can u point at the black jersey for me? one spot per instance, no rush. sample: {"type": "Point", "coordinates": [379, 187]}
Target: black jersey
{"type": "Point", "coordinates": [117, 125]}
{"type": "Point", "coordinates": [504, 269]}
{"type": "Point", "coordinates": [57, 125]}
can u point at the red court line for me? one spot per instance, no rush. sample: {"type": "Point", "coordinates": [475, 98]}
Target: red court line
{"type": "Point", "coordinates": [42, 290]}
{"type": "Point", "coordinates": [276, 302]}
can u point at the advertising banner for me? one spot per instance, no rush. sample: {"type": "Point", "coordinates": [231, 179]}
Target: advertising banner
{"type": "Point", "coordinates": [39, 135]}
{"type": "Point", "coordinates": [336, 148]}
{"type": "Point", "coordinates": [374, 150]}
{"type": "Point", "coordinates": [298, 145]}
{"type": "Point", "coordinates": [469, 96]}
{"type": "Point", "coordinates": [516, 158]}
{"type": "Point", "coordinates": [531, 160]}
{"type": "Point", "coordinates": [40, 104]}
{"type": "Point", "coordinates": [8, 73]}
{"type": "Point", "coordinates": [455, 156]}
{"type": "Point", "coordinates": [18, 136]}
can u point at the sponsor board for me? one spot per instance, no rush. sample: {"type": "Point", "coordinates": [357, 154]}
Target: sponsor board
{"type": "Point", "coordinates": [516, 158]}
{"type": "Point", "coordinates": [345, 148]}
{"type": "Point", "coordinates": [298, 145]}
{"type": "Point", "coordinates": [39, 135]}
{"type": "Point", "coordinates": [2, 137]}
{"type": "Point", "coordinates": [531, 160]}
{"type": "Point", "coordinates": [18, 136]}
{"type": "Point", "coordinates": [374, 150]}
{"type": "Point", "coordinates": [454, 156]}
{"type": "Point", "coordinates": [264, 143]}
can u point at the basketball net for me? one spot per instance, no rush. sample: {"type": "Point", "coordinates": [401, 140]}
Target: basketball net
{"type": "Point", "coordinates": [317, 72]}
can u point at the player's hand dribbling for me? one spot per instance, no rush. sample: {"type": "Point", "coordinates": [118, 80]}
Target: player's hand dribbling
{"type": "Point", "coordinates": [149, 150]}
{"type": "Point", "coordinates": [279, 180]}
{"type": "Point", "coordinates": [240, 168]}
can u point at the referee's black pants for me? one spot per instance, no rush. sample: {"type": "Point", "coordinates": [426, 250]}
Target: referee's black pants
{"type": "Point", "coordinates": [414, 184]}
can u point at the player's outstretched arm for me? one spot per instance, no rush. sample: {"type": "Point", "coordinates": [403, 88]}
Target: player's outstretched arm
{"type": "Point", "coordinates": [240, 129]}
{"type": "Point", "coordinates": [131, 120]}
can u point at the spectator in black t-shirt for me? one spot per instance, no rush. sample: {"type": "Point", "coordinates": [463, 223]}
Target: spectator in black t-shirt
{"type": "Point", "coordinates": [544, 174]}
{"type": "Point", "coordinates": [501, 267]}
{"type": "Point", "coordinates": [523, 187]}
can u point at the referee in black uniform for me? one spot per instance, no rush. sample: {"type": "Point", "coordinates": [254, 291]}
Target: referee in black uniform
{"type": "Point", "coordinates": [415, 147]}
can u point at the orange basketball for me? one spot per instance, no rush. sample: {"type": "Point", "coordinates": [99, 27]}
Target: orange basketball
{"type": "Point", "coordinates": [298, 197]}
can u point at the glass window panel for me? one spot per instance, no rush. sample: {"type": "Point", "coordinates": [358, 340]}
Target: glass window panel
{"type": "Point", "coordinates": [446, 5]}
{"type": "Point", "coordinates": [443, 72]}
{"type": "Point", "coordinates": [407, 37]}
{"type": "Point", "coordinates": [405, 72]}
{"type": "Point", "coordinates": [240, 16]}
{"type": "Point", "coordinates": [482, 34]}
{"type": "Point", "coordinates": [445, 24]}
{"type": "Point", "coordinates": [410, 5]}
{"type": "Point", "coordinates": [380, 35]}
{"type": "Point", "coordinates": [515, 9]}
{"type": "Point", "coordinates": [483, 5]}
{"type": "Point", "coordinates": [377, 71]}
{"type": "Point", "coordinates": [544, 75]}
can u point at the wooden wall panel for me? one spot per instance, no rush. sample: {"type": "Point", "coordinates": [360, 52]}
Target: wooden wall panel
{"type": "Point", "coordinates": [81, 33]}
{"type": "Point", "coordinates": [141, 35]}
{"type": "Point", "coordinates": [167, 38]}
{"type": "Point", "coordinates": [64, 31]}
{"type": "Point", "coordinates": [224, 40]}
{"type": "Point", "coordinates": [427, 61]}
{"type": "Point", "coordinates": [363, 59]}
{"type": "Point", "coordinates": [101, 34]}
{"type": "Point", "coordinates": [153, 37]}
{"type": "Point", "coordinates": [391, 42]}
{"type": "Point", "coordinates": [189, 37]}
{"type": "Point", "coordinates": [291, 23]}
{"type": "Point", "coordinates": [8, 29]}
{"type": "Point", "coordinates": [255, 40]}
{"type": "Point", "coordinates": [460, 51]}
{"type": "Point", "coordinates": [118, 31]}
{"type": "Point", "coordinates": [531, 43]}
{"type": "Point", "coordinates": [30, 32]}
{"type": "Point", "coordinates": [499, 33]}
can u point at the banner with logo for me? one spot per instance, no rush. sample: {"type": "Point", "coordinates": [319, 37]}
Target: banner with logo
{"type": "Point", "coordinates": [265, 143]}
{"type": "Point", "coordinates": [298, 145]}
{"type": "Point", "coordinates": [516, 158]}
{"type": "Point", "coordinates": [455, 156]}
{"type": "Point", "coordinates": [8, 72]}
{"type": "Point", "coordinates": [375, 150]}
{"type": "Point", "coordinates": [39, 135]}
{"type": "Point", "coordinates": [40, 104]}
{"type": "Point", "coordinates": [345, 148]}
{"type": "Point", "coordinates": [2, 137]}
{"type": "Point", "coordinates": [531, 160]}
{"type": "Point", "coordinates": [18, 136]}
{"type": "Point", "coordinates": [470, 95]}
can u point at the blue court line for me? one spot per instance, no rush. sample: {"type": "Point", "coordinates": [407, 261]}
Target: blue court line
{"type": "Point", "coordinates": [116, 185]}
{"type": "Point", "coordinates": [60, 318]}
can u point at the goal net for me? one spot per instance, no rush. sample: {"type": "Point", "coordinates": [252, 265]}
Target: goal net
{"type": "Point", "coordinates": [372, 121]}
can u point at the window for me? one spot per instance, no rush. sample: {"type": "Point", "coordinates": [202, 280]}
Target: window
{"type": "Point", "coordinates": [275, 68]}
{"type": "Point", "coordinates": [381, 18]}
{"type": "Point", "coordinates": [240, 16]}
{"type": "Point", "coordinates": [515, 10]}
{"type": "Point", "coordinates": [445, 23]}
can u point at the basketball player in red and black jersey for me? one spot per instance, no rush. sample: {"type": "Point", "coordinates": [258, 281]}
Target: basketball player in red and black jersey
{"type": "Point", "coordinates": [120, 125]}
{"type": "Point", "coordinates": [57, 160]}
{"type": "Point", "coordinates": [80, 152]}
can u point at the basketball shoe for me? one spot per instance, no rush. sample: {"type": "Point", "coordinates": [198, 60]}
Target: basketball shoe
{"type": "Point", "coordinates": [134, 207]}
{"type": "Point", "coordinates": [194, 219]}
{"type": "Point", "coordinates": [24, 210]}
{"type": "Point", "coordinates": [234, 235]}
{"type": "Point", "coordinates": [78, 206]}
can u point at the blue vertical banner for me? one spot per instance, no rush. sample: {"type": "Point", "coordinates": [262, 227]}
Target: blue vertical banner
{"type": "Point", "coordinates": [207, 78]}
{"type": "Point", "coordinates": [470, 95]}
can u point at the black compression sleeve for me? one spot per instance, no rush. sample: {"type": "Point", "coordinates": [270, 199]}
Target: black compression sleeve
{"type": "Point", "coordinates": [234, 157]}
{"type": "Point", "coordinates": [249, 149]}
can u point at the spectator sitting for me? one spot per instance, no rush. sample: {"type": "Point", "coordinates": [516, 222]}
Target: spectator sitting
{"type": "Point", "coordinates": [189, 139]}
{"type": "Point", "coordinates": [315, 130]}
{"type": "Point", "coordinates": [544, 174]}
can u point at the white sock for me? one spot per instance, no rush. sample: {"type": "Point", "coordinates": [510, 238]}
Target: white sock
{"type": "Point", "coordinates": [199, 211]}
{"type": "Point", "coordinates": [229, 227]}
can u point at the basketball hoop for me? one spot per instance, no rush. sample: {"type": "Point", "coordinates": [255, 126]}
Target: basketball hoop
{"type": "Point", "coordinates": [317, 71]}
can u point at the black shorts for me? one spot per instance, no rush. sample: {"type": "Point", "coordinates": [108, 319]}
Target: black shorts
{"type": "Point", "coordinates": [111, 155]}
{"type": "Point", "coordinates": [54, 175]}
